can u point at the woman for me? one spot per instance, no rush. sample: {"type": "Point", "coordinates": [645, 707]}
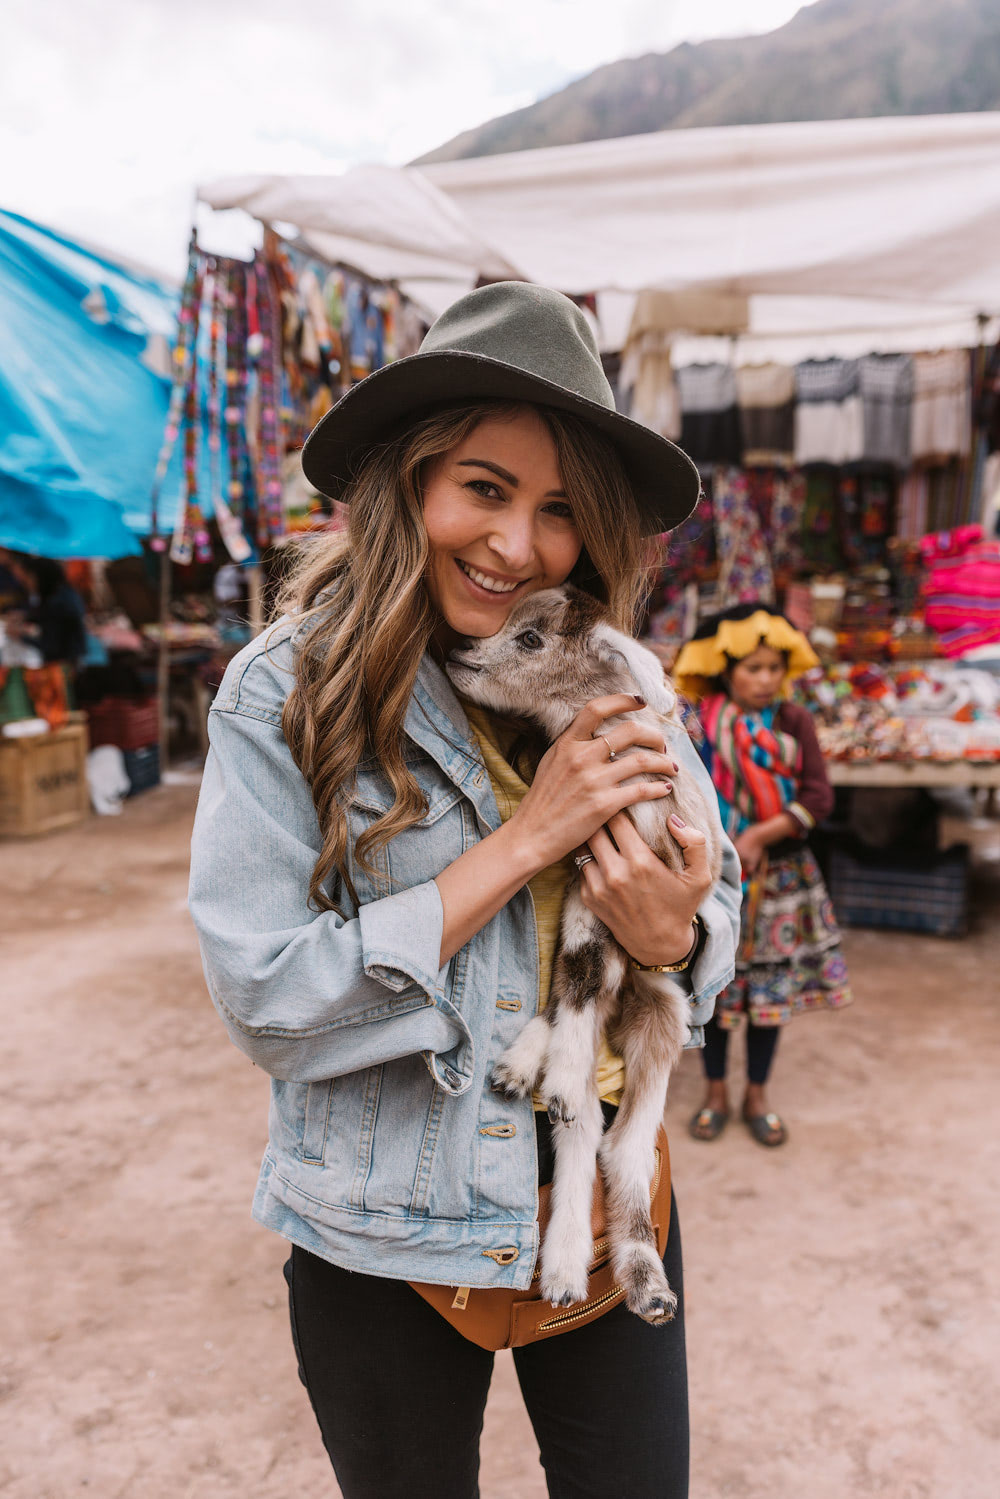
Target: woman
{"type": "Point", "coordinates": [770, 777]}
{"type": "Point", "coordinates": [56, 616]}
{"type": "Point", "coordinates": [366, 894]}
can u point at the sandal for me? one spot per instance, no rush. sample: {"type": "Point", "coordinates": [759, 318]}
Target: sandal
{"type": "Point", "coordinates": [767, 1129]}
{"type": "Point", "coordinates": [707, 1124]}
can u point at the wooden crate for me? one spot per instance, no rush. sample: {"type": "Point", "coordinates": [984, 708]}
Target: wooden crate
{"type": "Point", "coordinates": [43, 781]}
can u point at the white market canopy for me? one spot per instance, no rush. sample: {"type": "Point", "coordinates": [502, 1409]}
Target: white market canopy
{"type": "Point", "coordinates": [817, 237]}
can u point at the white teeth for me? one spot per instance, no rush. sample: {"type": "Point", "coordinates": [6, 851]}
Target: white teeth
{"type": "Point", "coordinates": [492, 584]}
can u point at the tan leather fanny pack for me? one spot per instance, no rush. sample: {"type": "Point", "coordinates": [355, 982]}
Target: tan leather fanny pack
{"type": "Point", "coordinates": [499, 1318]}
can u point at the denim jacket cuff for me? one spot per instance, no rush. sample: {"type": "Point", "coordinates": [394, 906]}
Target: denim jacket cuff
{"type": "Point", "coordinates": [401, 939]}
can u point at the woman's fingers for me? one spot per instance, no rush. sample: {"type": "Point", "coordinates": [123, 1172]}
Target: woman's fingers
{"type": "Point", "coordinates": [637, 734]}
{"type": "Point", "coordinates": [592, 715]}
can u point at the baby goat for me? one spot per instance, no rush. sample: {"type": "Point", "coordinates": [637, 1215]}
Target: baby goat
{"type": "Point", "coordinates": [556, 651]}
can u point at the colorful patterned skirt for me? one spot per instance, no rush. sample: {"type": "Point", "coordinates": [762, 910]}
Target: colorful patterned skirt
{"type": "Point", "coordinates": [789, 958]}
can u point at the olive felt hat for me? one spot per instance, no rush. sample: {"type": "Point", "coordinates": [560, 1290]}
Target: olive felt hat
{"type": "Point", "coordinates": [510, 341]}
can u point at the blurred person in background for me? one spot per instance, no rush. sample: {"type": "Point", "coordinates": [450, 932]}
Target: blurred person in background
{"type": "Point", "coordinates": [52, 617]}
{"type": "Point", "coordinates": [770, 778]}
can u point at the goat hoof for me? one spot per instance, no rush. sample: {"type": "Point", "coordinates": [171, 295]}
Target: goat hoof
{"type": "Point", "coordinates": [503, 1084]}
{"type": "Point", "coordinates": [561, 1295]}
{"type": "Point", "coordinates": [658, 1310]}
{"type": "Point", "coordinates": [558, 1112]}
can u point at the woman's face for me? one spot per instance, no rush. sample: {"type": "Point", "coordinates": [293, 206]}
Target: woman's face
{"type": "Point", "coordinates": [756, 680]}
{"type": "Point", "coordinates": [498, 523]}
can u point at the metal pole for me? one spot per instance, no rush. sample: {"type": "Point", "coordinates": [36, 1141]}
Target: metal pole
{"type": "Point", "coordinates": [163, 660]}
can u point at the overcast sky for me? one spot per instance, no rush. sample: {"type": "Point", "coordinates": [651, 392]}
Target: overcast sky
{"type": "Point", "coordinates": [111, 113]}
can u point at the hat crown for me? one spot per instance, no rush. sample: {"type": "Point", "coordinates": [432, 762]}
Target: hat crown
{"type": "Point", "coordinates": [529, 328]}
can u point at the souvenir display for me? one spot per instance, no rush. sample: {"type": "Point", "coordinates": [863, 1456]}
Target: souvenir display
{"type": "Point", "coordinates": [263, 350]}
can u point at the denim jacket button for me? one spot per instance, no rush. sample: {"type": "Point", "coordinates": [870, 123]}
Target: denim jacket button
{"type": "Point", "coordinates": [451, 1076]}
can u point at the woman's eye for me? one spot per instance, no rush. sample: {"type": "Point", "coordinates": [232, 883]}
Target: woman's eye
{"type": "Point", "coordinates": [531, 640]}
{"type": "Point", "coordinates": [561, 510]}
{"type": "Point", "coordinates": [485, 489]}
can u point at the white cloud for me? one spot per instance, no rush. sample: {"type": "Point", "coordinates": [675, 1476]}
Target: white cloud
{"type": "Point", "coordinates": [111, 114]}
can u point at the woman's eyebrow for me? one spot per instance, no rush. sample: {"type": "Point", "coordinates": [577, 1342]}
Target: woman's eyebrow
{"type": "Point", "coordinates": [502, 473]}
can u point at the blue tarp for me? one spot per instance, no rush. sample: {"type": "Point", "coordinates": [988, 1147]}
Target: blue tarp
{"type": "Point", "coordinates": [81, 414]}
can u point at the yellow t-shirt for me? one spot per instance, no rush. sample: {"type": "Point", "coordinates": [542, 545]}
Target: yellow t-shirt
{"type": "Point", "coordinates": [548, 887]}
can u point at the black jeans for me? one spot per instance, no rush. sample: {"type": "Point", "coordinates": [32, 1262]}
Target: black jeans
{"type": "Point", "coordinates": [399, 1394]}
{"type": "Point", "coordinates": [762, 1043]}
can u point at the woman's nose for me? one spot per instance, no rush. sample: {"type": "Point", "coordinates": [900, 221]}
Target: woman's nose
{"type": "Point", "coordinates": [513, 539]}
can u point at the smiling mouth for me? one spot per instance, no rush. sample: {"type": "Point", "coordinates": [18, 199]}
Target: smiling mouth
{"type": "Point", "coordinates": [491, 585]}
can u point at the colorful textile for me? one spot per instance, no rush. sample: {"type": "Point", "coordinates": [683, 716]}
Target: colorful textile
{"type": "Point", "coordinates": [744, 561]}
{"type": "Point", "coordinates": [779, 499]}
{"type": "Point", "coordinates": [46, 691]}
{"type": "Point", "coordinates": [754, 766]}
{"type": "Point", "coordinates": [962, 590]}
{"type": "Point", "coordinates": [789, 959]}
{"type": "Point", "coordinates": [820, 534]}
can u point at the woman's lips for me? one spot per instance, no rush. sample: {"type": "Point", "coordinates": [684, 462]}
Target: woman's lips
{"type": "Point", "coordinates": [493, 595]}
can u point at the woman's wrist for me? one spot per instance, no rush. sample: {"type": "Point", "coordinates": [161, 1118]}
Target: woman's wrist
{"type": "Point", "coordinates": [522, 856]}
{"type": "Point", "coordinates": [678, 962]}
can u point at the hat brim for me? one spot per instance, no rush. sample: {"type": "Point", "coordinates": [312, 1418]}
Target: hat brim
{"type": "Point", "coordinates": [664, 480]}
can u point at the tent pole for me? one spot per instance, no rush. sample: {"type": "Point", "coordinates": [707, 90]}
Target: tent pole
{"type": "Point", "coordinates": [163, 660]}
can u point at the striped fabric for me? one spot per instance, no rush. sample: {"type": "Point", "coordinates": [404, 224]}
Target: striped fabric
{"type": "Point", "coordinates": [962, 590]}
{"type": "Point", "coordinates": [753, 766]}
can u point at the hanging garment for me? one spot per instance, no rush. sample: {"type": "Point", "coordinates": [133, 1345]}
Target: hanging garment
{"type": "Point", "coordinates": [745, 571]}
{"type": "Point", "coordinates": [692, 543]}
{"type": "Point", "coordinates": [710, 426]}
{"type": "Point", "coordinates": [911, 506]}
{"type": "Point", "coordinates": [941, 414]}
{"type": "Point", "coordinates": [784, 531]}
{"type": "Point", "coordinates": [886, 384]}
{"type": "Point", "coordinates": [829, 421]}
{"type": "Point", "coordinates": [820, 529]}
{"type": "Point", "coordinates": [990, 498]}
{"type": "Point", "coordinates": [765, 395]}
{"type": "Point", "coordinates": [647, 386]}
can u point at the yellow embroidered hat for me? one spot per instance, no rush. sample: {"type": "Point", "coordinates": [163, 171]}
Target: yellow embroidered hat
{"type": "Point", "coordinates": [737, 634]}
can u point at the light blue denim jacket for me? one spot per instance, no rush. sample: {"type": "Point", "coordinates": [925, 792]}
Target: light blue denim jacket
{"type": "Point", "coordinates": [388, 1153]}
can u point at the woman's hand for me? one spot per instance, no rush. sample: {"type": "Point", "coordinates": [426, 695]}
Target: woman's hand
{"type": "Point", "coordinates": [647, 907]}
{"type": "Point", "coordinates": [755, 840]}
{"type": "Point", "coordinates": [750, 847]}
{"type": "Point", "coordinates": [578, 787]}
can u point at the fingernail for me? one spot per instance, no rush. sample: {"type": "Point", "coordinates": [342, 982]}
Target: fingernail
{"type": "Point", "coordinates": [678, 822]}
{"type": "Point", "coordinates": [640, 700]}
{"type": "Point", "coordinates": [676, 767]}
{"type": "Point", "coordinates": [668, 785]}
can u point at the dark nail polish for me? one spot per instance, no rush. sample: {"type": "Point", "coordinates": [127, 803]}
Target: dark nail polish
{"type": "Point", "coordinates": [676, 767]}
{"type": "Point", "coordinates": [640, 700]}
{"type": "Point", "coordinates": [677, 821]}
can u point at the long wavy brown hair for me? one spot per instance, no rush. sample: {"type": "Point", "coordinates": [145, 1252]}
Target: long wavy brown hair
{"type": "Point", "coordinates": [367, 618]}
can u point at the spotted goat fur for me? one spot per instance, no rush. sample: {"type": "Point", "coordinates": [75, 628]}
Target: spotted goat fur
{"type": "Point", "coordinates": [555, 653]}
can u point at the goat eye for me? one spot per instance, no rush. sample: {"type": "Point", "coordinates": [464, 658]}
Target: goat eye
{"type": "Point", "coordinates": [531, 640]}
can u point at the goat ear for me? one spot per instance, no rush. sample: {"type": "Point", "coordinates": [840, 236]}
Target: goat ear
{"type": "Point", "coordinates": [645, 669]}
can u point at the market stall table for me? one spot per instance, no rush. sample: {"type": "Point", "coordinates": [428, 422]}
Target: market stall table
{"type": "Point", "coordinates": [915, 773]}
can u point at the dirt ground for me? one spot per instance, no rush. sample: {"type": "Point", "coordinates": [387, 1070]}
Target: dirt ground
{"type": "Point", "coordinates": [842, 1292]}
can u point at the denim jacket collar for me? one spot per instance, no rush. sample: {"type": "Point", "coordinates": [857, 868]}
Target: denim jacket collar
{"type": "Point", "coordinates": [436, 722]}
